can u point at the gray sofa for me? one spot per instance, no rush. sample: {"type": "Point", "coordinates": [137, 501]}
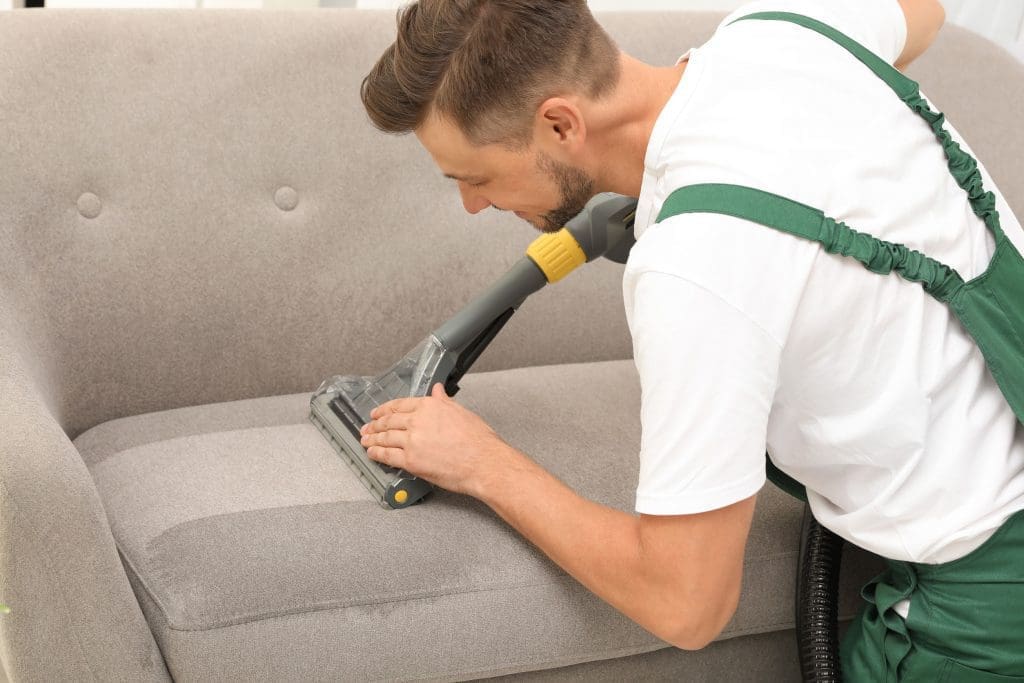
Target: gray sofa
{"type": "Point", "coordinates": [197, 225]}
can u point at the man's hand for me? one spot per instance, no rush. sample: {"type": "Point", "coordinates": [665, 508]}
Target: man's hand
{"type": "Point", "coordinates": [434, 438]}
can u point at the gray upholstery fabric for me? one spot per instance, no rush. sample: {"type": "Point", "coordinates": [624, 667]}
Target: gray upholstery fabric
{"type": "Point", "coordinates": [73, 616]}
{"type": "Point", "coordinates": [188, 127]}
{"type": "Point", "coordinates": [256, 552]}
{"type": "Point", "coordinates": [194, 210]}
{"type": "Point", "coordinates": [763, 658]}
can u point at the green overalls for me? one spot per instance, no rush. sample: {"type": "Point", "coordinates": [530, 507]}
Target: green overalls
{"type": "Point", "coordinates": [966, 618]}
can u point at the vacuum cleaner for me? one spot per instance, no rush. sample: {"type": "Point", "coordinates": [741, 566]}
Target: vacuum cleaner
{"type": "Point", "coordinates": [342, 404]}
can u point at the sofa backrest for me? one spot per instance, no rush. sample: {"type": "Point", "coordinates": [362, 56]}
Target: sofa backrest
{"type": "Point", "coordinates": [194, 207]}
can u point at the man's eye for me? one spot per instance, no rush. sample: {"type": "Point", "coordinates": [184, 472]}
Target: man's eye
{"type": "Point", "coordinates": [478, 184]}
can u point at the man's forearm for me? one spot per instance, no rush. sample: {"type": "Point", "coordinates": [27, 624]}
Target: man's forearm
{"type": "Point", "coordinates": [599, 546]}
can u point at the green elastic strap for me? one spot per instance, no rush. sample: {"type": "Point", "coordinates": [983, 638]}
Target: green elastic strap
{"type": "Point", "coordinates": [786, 215]}
{"type": "Point", "coordinates": [962, 165]}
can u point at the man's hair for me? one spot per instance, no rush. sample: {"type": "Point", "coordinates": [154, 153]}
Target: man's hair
{"type": "Point", "coordinates": [487, 65]}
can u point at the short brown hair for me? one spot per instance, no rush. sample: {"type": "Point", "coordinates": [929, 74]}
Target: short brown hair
{"type": "Point", "coordinates": [487, 65]}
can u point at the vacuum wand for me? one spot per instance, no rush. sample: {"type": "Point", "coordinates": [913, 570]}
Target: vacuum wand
{"type": "Point", "coordinates": [342, 404]}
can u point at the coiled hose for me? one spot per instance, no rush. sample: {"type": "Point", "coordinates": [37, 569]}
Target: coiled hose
{"type": "Point", "coordinates": [817, 597]}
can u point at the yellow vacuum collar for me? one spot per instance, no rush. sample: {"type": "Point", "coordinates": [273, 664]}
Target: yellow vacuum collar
{"type": "Point", "coordinates": [557, 254]}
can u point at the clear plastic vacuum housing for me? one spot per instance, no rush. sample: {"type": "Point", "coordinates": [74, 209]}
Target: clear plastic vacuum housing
{"type": "Point", "coordinates": [410, 376]}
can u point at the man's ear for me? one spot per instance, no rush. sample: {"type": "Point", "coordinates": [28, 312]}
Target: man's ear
{"type": "Point", "coordinates": [559, 126]}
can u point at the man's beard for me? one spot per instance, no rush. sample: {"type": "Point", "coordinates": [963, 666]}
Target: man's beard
{"type": "Point", "coordinates": [575, 188]}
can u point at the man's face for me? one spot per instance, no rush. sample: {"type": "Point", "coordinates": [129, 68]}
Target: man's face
{"type": "Point", "coordinates": [539, 189]}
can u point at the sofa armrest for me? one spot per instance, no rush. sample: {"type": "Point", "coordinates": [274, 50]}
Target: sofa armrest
{"type": "Point", "coordinates": [73, 614]}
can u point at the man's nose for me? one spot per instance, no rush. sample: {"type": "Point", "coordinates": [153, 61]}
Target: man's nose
{"type": "Point", "coordinates": [472, 200]}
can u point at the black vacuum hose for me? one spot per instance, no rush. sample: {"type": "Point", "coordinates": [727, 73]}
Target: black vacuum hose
{"type": "Point", "coordinates": [817, 597]}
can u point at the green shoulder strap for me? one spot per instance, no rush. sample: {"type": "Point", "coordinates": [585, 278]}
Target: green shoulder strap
{"type": "Point", "coordinates": [798, 219]}
{"type": "Point", "coordinates": [991, 307]}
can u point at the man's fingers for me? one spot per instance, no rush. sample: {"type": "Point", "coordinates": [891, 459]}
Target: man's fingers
{"type": "Point", "coordinates": [406, 405]}
{"type": "Point", "coordinates": [387, 421]}
{"type": "Point", "coordinates": [398, 405]}
{"type": "Point", "coordinates": [392, 457]}
{"type": "Point", "coordinates": [393, 438]}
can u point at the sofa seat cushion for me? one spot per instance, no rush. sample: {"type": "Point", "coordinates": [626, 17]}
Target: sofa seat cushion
{"type": "Point", "coordinates": [256, 553]}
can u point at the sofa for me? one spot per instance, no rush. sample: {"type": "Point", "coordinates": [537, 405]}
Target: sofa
{"type": "Point", "coordinates": [197, 225]}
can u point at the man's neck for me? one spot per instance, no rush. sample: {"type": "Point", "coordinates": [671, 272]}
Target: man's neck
{"type": "Point", "coordinates": [620, 125]}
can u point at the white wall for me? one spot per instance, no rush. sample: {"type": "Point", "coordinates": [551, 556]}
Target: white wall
{"type": "Point", "coordinates": [118, 4]}
{"type": "Point", "coordinates": [159, 4]}
{"type": "Point", "coordinates": [1000, 20]}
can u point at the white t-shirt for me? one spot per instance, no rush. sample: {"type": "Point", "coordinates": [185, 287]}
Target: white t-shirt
{"type": "Point", "coordinates": [861, 386]}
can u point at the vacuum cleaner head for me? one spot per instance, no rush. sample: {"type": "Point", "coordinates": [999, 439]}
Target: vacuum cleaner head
{"type": "Point", "coordinates": [342, 404]}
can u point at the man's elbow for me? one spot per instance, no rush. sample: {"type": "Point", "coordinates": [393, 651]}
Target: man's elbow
{"type": "Point", "coordinates": [936, 19]}
{"type": "Point", "coordinates": [701, 625]}
{"type": "Point", "coordinates": [693, 641]}
{"type": "Point", "coordinates": [924, 20]}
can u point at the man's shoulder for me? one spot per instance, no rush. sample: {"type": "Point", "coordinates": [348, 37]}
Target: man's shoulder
{"type": "Point", "coordinates": [748, 267]}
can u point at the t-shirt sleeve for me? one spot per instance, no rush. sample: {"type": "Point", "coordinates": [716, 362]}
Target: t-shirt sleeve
{"type": "Point", "coordinates": [708, 375]}
{"type": "Point", "coordinates": [878, 25]}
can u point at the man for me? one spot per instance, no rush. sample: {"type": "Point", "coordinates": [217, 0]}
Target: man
{"type": "Point", "coordinates": [862, 387]}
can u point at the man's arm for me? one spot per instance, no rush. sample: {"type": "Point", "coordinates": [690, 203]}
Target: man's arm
{"type": "Point", "coordinates": [677, 576]}
{"type": "Point", "coordinates": [924, 19]}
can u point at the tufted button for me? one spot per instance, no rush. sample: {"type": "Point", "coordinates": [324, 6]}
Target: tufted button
{"type": "Point", "coordinates": [286, 198]}
{"type": "Point", "coordinates": [89, 205]}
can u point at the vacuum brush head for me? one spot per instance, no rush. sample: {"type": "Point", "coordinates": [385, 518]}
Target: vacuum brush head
{"type": "Point", "coordinates": [342, 405]}
{"type": "Point", "coordinates": [393, 488]}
